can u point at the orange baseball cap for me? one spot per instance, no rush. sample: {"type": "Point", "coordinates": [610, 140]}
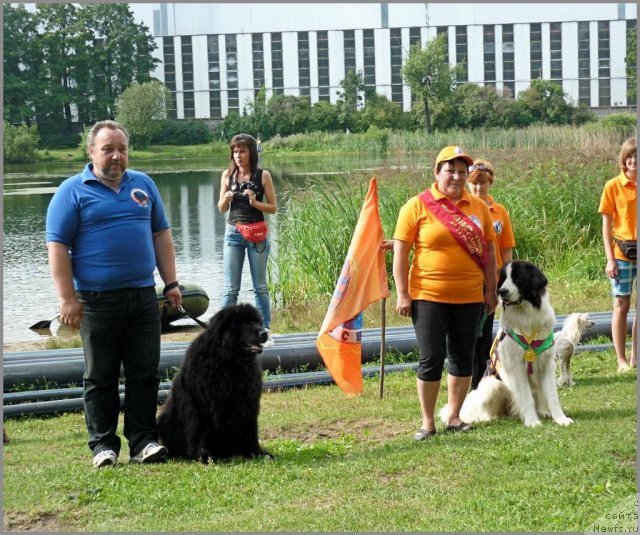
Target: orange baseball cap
{"type": "Point", "coordinates": [451, 153]}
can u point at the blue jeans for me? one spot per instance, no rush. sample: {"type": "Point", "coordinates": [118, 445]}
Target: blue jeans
{"type": "Point", "coordinates": [120, 327]}
{"type": "Point", "coordinates": [233, 256]}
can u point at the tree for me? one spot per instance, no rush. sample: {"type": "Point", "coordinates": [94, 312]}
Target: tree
{"type": "Point", "coordinates": [120, 53]}
{"type": "Point", "coordinates": [140, 109]}
{"type": "Point", "coordinates": [289, 114]}
{"type": "Point", "coordinates": [69, 58]}
{"type": "Point", "coordinates": [350, 98]}
{"type": "Point", "coordinates": [631, 65]}
{"type": "Point", "coordinates": [381, 112]}
{"type": "Point", "coordinates": [21, 64]}
{"type": "Point", "coordinates": [546, 101]}
{"type": "Point", "coordinates": [428, 74]}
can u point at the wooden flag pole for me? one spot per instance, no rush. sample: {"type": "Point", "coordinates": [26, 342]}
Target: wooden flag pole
{"type": "Point", "coordinates": [382, 344]}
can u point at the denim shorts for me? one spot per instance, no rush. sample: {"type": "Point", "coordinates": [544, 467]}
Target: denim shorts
{"type": "Point", "coordinates": [627, 274]}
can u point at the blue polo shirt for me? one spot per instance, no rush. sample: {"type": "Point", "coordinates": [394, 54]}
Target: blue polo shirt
{"type": "Point", "coordinates": [109, 234]}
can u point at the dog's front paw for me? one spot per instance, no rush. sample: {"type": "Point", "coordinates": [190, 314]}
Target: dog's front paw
{"type": "Point", "coordinates": [532, 422]}
{"type": "Point", "coordinates": [267, 455]}
{"type": "Point", "coordinates": [563, 421]}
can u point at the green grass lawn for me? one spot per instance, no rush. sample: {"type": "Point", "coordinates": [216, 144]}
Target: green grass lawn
{"type": "Point", "coordinates": [348, 464]}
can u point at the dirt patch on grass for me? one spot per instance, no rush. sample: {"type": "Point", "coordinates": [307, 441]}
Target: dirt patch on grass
{"type": "Point", "coordinates": [38, 522]}
{"type": "Point", "coordinates": [374, 430]}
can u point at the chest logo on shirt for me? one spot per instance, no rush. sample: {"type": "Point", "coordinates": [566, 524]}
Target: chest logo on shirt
{"type": "Point", "coordinates": [475, 220]}
{"type": "Point", "coordinates": [140, 196]}
{"type": "Point", "coordinates": [497, 227]}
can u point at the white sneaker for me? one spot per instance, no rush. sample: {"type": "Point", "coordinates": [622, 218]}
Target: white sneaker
{"type": "Point", "coordinates": [105, 458]}
{"type": "Point", "coordinates": [151, 453]}
{"type": "Point", "coordinates": [270, 341]}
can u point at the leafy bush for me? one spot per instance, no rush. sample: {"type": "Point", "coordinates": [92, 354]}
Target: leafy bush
{"type": "Point", "coordinates": [173, 132]}
{"type": "Point", "coordinates": [619, 120]}
{"type": "Point", "coordinates": [582, 115]}
{"type": "Point", "coordinates": [140, 108]}
{"type": "Point", "coordinates": [20, 143]}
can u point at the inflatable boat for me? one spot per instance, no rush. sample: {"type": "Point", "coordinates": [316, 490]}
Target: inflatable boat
{"type": "Point", "coordinates": [195, 301]}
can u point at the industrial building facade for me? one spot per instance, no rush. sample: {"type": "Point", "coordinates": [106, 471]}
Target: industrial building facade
{"type": "Point", "coordinates": [216, 57]}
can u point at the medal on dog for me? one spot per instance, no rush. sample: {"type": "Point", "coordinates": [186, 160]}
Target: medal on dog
{"type": "Point", "coordinates": [530, 355]}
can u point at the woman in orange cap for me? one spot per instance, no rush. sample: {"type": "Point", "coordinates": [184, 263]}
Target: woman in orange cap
{"type": "Point", "coordinates": [452, 237]}
{"type": "Point", "coordinates": [481, 179]}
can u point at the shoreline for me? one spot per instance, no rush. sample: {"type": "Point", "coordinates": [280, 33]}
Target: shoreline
{"type": "Point", "coordinates": [183, 334]}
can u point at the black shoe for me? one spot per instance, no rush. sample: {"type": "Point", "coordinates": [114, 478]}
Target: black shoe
{"type": "Point", "coordinates": [423, 434]}
{"type": "Point", "coordinates": [461, 427]}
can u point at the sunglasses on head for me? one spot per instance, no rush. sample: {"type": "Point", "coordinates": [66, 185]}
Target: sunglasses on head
{"type": "Point", "coordinates": [480, 167]}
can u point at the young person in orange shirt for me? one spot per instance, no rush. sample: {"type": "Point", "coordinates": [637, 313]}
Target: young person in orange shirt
{"type": "Point", "coordinates": [618, 206]}
{"type": "Point", "coordinates": [481, 179]}
{"type": "Point", "coordinates": [451, 281]}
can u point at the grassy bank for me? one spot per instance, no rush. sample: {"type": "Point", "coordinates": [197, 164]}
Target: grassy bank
{"type": "Point", "coordinates": [587, 138]}
{"type": "Point", "coordinates": [348, 464]}
{"type": "Point", "coordinates": [154, 152]}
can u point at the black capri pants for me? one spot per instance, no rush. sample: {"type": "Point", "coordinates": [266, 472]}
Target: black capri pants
{"type": "Point", "coordinates": [445, 329]}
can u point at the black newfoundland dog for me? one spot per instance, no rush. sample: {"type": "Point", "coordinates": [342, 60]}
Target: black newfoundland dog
{"type": "Point", "coordinates": [212, 410]}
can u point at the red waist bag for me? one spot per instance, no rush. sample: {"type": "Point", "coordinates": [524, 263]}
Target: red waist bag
{"type": "Point", "coordinates": [253, 232]}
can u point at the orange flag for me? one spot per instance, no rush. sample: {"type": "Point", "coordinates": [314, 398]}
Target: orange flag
{"type": "Point", "coordinates": [363, 280]}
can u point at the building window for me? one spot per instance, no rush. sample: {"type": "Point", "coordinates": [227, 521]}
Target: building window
{"type": "Point", "coordinates": [508, 61]}
{"type": "Point", "coordinates": [304, 72]}
{"type": "Point", "coordinates": [584, 64]}
{"type": "Point", "coordinates": [231, 46]}
{"type": "Point", "coordinates": [323, 66]}
{"type": "Point", "coordinates": [535, 41]}
{"type": "Point", "coordinates": [187, 79]}
{"type": "Point", "coordinates": [369, 50]}
{"type": "Point", "coordinates": [414, 35]}
{"type": "Point", "coordinates": [169, 61]}
{"type": "Point", "coordinates": [604, 59]}
{"type": "Point", "coordinates": [555, 45]}
{"type": "Point", "coordinates": [396, 65]}
{"type": "Point", "coordinates": [461, 52]}
{"type": "Point", "coordinates": [489, 43]}
{"type": "Point", "coordinates": [349, 51]}
{"type": "Point", "coordinates": [257, 51]}
{"type": "Point", "coordinates": [445, 30]}
{"type": "Point", "coordinates": [213, 51]}
{"type": "Point", "coordinates": [276, 63]}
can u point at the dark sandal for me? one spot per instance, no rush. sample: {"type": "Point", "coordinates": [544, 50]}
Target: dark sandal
{"type": "Point", "coordinates": [461, 427]}
{"type": "Point", "coordinates": [423, 434]}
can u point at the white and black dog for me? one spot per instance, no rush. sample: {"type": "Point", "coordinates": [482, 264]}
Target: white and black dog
{"type": "Point", "coordinates": [574, 326]}
{"type": "Point", "coordinates": [525, 354]}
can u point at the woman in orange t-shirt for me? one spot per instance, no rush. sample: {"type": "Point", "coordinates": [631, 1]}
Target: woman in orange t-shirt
{"type": "Point", "coordinates": [618, 206]}
{"type": "Point", "coordinates": [451, 233]}
{"type": "Point", "coordinates": [481, 179]}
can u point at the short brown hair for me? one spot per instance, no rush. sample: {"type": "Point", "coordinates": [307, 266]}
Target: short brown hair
{"type": "Point", "coordinates": [628, 148]}
{"type": "Point", "coordinates": [481, 171]}
{"type": "Point", "coordinates": [113, 125]}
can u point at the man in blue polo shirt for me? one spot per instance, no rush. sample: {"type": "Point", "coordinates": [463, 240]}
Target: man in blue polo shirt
{"type": "Point", "coordinates": [106, 233]}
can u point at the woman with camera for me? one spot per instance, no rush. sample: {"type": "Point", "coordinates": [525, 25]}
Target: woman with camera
{"type": "Point", "coordinates": [247, 192]}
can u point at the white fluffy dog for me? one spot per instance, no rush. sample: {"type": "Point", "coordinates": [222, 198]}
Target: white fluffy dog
{"type": "Point", "coordinates": [574, 326]}
{"type": "Point", "coordinates": [526, 356]}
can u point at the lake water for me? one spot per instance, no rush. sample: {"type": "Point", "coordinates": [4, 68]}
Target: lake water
{"type": "Point", "coordinates": [189, 190]}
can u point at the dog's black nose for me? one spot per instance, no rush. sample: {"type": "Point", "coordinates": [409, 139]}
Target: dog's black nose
{"type": "Point", "coordinates": [263, 336]}
{"type": "Point", "coordinates": [502, 292]}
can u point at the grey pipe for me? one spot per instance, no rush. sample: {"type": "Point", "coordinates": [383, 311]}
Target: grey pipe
{"type": "Point", "coordinates": [59, 400]}
{"type": "Point", "coordinates": [272, 382]}
{"type": "Point", "coordinates": [290, 352]}
{"type": "Point", "coordinates": [51, 355]}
